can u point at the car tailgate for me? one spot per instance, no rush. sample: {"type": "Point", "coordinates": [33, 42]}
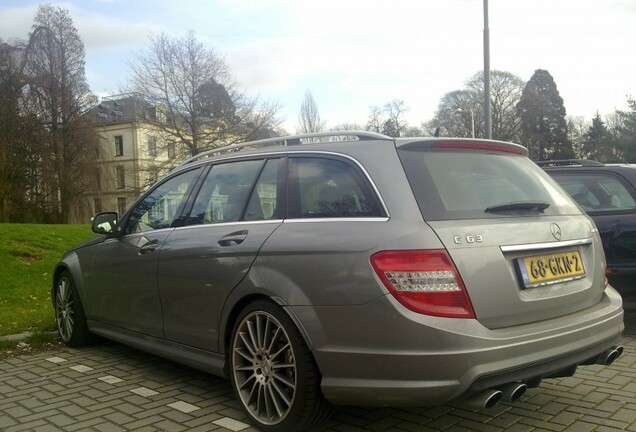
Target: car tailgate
{"type": "Point", "coordinates": [522, 270]}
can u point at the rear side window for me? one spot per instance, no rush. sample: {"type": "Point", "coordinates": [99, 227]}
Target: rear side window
{"type": "Point", "coordinates": [597, 192]}
{"type": "Point", "coordinates": [465, 184]}
{"type": "Point", "coordinates": [329, 188]}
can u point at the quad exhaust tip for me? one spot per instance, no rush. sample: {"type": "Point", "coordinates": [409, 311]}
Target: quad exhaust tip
{"type": "Point", "coordinates": [511, 392]}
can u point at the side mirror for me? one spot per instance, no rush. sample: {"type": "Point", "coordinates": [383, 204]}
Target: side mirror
{"type": "Point", "coordinates": [104, 223]}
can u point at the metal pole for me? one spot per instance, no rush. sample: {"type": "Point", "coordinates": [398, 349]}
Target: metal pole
{"type": "Point", "coordinates": [487, 73]}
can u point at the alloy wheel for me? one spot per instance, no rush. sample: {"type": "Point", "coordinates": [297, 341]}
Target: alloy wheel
{"type": "Point", "coordinates": [264, 368]}
{"type": "Point", "coordinates": [64, 312]}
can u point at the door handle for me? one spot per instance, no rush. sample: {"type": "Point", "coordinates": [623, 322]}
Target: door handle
{"type": "Point", "coordinates": [148, 247]}
{"type": "Point", "coordinates": [233, 239]}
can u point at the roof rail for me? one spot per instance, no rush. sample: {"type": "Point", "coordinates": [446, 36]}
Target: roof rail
{"type": "Point", "coordinates": [291, 140]}
{"type": "Point", "coordinates": [565, 162]}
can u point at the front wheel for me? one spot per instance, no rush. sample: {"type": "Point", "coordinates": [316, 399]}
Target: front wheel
{"type": "Point", "coordinates": [273, 372]}
{"type": "Point", "coordinates": [69, 313]}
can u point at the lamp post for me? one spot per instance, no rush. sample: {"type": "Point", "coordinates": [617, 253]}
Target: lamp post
{"type": "Point", "coordinates": [488, 127]}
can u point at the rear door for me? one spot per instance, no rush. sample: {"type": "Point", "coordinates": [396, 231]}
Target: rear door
{"type": "Point", "coordinates": [525, 252]}
{"type": "Point", "coordinates": [235, 211]}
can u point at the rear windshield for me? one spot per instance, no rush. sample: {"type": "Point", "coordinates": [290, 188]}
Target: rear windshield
{"type": "Point", "coordinates": [466, 184]}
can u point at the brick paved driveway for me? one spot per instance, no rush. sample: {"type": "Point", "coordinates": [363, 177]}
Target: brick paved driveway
{"type": "Point", "coordinates": [110, 387]}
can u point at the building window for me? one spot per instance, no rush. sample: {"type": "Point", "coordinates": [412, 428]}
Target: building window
{"type": "Point", "coordinates": [153, 175]}
{"type": "Point", "coordinates": [119, 145]}
{"type": "Point", "coordinates": [98, 180]}
{"type": "Point", "coordinates": [121, 177]}
{"type": "Point", "coordinates": [98, 205]}
{"type": "Point", "coordinates": [171, 151]}
{"type": "Point", "coordinates": [152, 146]}
{"type": "Point", "coordinates": [121, 205]}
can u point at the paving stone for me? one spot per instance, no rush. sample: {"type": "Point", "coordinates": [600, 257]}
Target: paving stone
{"type": "Point", "coordinates": [45, 395]}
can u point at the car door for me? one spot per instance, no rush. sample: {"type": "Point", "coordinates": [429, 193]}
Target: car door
{"type": "Point", "coordinates": [122, 279]}
{"type": "Point", "coordinates": [235, 211]}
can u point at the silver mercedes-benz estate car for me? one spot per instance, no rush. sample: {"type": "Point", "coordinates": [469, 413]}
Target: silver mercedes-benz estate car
{"type": "Point", "coordinates": [357, 269]}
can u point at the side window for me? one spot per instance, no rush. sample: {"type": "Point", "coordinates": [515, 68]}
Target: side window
{"type": "Point", "coordinates": [620, 197]}
{"type": "Point", "coordinates": [329, 188]}
{"type": "Point", "coordinates": [597, 192]}
{"type": "Point", "coordinates": [223, 195]}
{"type": "Point", "coordinates": [159, 208]}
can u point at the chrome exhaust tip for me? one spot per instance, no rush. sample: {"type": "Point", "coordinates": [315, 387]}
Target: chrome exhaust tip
{"type": "Point", "coordinates": [486, 399]}
{"type": "Point", "coordinates": [610, 356]}
{"type": "Point", "coordinates": [513, 391]}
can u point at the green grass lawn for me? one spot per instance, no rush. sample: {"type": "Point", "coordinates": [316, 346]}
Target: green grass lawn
{"type": "Point", "coordinates": [28, 254]}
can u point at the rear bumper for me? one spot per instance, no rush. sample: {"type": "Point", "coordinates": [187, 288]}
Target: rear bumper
{"type": "Point", "coordinates": [394, 357]}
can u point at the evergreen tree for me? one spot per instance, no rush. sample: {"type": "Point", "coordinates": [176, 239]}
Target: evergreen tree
{"type": "Point", "coordinates": [595, 142]}
{"type": "Point", "coordinates": [543, 125]}
{"type": "Point", "coordinates": [626, 132]}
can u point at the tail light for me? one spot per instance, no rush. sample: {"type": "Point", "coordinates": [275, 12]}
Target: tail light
{"type": "Point", "coordinates": [424, 281]}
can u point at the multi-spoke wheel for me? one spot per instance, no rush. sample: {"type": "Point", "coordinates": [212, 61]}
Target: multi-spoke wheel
{"type": "Point", "coordinates": [69, 313]}
{"type": "Point", "coordinates": [273, 371]}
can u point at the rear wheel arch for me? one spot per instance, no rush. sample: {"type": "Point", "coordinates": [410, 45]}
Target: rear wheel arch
{"type": "Point", "coordinates": [245, 301]}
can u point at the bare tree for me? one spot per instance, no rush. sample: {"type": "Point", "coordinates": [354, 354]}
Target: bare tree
{"type": "Point", "coordinates": [395, 125]}
{"type": "Point", "coordinates": [198, 105]}
{"type": "Point", "coordinates": [460, 112]}
{"type": "Point", "coordinates": [309, 120]}
{"type": "Point", "coordinates": [388, 119]}
{"type": "Point", "coordinates": [56, 93]}
{"type": "Point", "coordinates": [374, 123]}
{"type": "Point", "coordinates": [456, 114]}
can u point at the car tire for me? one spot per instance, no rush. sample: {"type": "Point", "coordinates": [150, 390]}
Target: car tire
{"type": "Point", "coordinates": [69, 313]}
{"type": "Point", "coordinates": [273, 372]}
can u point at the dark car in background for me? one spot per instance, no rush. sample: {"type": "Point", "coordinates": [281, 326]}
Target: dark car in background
{"type": "Point", "coordinates": [607, 192]}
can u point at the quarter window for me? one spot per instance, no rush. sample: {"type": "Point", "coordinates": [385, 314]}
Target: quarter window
{"type": "Point", "coordinates": [329, 188]}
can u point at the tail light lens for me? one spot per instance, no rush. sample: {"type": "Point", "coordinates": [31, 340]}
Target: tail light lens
{"type": "Point", "coordinates": [425, 281]}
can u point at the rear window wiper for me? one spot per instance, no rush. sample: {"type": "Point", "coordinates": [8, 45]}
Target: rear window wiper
{"type": "Point", "coordinates": [539, 206]}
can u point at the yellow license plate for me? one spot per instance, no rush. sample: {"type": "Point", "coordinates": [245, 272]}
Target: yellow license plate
{"type": "Point", "coordinates": [549, 269]}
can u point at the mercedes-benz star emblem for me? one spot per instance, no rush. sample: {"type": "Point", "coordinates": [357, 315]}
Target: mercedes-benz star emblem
{"type": "Point", "coordinates": [556, 231]}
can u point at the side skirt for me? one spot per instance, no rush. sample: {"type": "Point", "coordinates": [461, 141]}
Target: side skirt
{"type": "Point", "coordinates": [207, 361]}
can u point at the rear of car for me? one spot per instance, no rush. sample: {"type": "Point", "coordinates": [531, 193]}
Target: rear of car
{"type": "Point", "coordinates": [485, 276]}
